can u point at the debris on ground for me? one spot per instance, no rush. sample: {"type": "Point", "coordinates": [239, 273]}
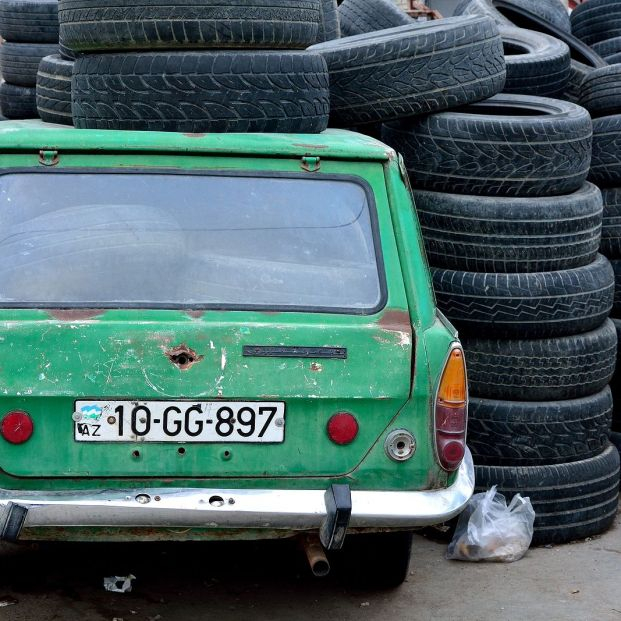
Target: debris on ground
{"type": "Point", "coordinates": [491, 530]}
{"type": "Point", "coordinates": [119, 584]}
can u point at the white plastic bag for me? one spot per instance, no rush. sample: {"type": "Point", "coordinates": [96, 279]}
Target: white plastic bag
{"type": "Point", "coordinates": [489, 530]}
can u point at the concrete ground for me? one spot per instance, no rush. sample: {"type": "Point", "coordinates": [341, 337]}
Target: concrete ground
{"type": "Point", "coordinates": [269, 581]}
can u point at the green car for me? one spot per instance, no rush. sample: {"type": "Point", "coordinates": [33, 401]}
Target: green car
{"type": "Point", "coordinates": [222, 337]}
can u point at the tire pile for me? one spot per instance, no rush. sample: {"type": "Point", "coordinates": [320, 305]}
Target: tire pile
{"type": "Point", "coordinates": [30, 31]}
{"type": "Point", "coordinates": [199, 65]}
{"type": "Point", "coordinates": [593, 35]}
{"type": "Point", "coordinates": [512, 229]}
{"type": "Point", "coordinates": [598, 24]}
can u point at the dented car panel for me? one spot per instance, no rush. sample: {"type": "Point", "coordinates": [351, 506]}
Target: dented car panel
{"type": "Point", "coordinates": [381, 364]}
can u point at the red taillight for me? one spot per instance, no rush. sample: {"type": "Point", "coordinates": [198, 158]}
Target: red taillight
{"type": "Point", "coordinates": [16, 427]}
{"type": "Point", "coordinates": [451, 411]}
{"type": "Point", "coordinates": [342, 428]}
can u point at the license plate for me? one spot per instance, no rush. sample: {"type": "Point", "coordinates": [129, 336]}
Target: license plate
{"type": "Point", "coordinates": [179, 421]}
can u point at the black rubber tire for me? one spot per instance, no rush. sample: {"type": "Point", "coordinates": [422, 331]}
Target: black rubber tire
{"type": "Point", "coordinates": [374, 561]}
{"type": "Point", "coordinates": [506, 234]}
{"type": "Point", "coordinates": [611, 223]}
{"type": "Point", "coordinates": [615, 439]}
{"type": "Point", "coordinates": [596, 20]}
{"type": "Point", "coordinates": [601, 91]}
{"type": "Point", "coordinates": [531, 305]}
{"type": "Point", "coordinates": [529, 19]}
{"type": "Point", "coordinates": [606, 155]}
{"type": "Point", "coordinates": [439, 64]}
{"type": "Point", "coordinates": [54, 90]}
{"type": "Point", "coordinates": [613, 59]}
{"type": "Point", "coordinates": [583, 57]}
{"type": "Point", "coordinates": [98, 25]}
{"type": "Point", "coordinates": [18, 102]}
{"type": "Point", "coordinates": [615, 384]}
{"type": "Point", "coordinates": [536, 63]}
{"type": "Point", "coordinates": [511, 12]}
{"type": "Point", "coordinates": [19, 62]}
{"type": "Point", "coordinates": [577, 74]}
{"type": "Point", "coordinates": [571, 501]}
{"type": "Point", "coordinates": [510, 145]}
{"type": "Point", "coordinates": [29, 21]}
{"type": "Point", "coordinates": [361, 16]}
{"type": "Point", "coordinates": [567, 367]}
{"type": "Point", "coordinates": [66, 53]}
{"type": "Point", "coordinates": [538, 433]}
{"type": "Point", "coordinates": [616, 308]}
{"type": "Point", "coordinates": [551, 11]}
{"type": "Point", "coordinates": [329, 25]}
{"type": "Point", "coordinates": [251, 91]}
{"type": "Point", "coordinates": [607, 48]}
{"type": "Point", "coordinates": [481, 7]}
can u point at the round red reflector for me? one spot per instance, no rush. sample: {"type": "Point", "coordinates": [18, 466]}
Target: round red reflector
{"type": "Point", "coordinates": [342, 428]}
{"type": "Point", "coordinates": [16, 427]}
{"type": "Point", "coordinates": [453, 453]}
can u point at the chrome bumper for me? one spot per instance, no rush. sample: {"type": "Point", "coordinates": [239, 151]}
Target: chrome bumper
{"type": "Point", "coordinates": [233, 508]}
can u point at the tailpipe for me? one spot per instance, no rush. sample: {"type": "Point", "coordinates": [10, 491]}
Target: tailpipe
{"type": "Point", "coordinates": [316, 555]}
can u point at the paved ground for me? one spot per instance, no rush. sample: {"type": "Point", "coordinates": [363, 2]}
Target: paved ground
{"type": "Point", "coordinates": [227, 582]}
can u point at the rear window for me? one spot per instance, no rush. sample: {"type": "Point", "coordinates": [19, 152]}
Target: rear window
{"type": "Point", "coordinates": [178, 241]}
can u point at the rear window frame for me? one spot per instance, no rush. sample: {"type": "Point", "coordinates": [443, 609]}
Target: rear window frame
{"type": "Point", "coordinates": [273, 174]}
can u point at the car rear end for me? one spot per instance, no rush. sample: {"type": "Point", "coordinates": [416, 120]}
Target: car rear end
{"type": "Point", "coordinates": [219, 337]}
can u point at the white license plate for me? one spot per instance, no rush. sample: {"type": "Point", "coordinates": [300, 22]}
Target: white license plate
{"type": "Point", "coordinates": [179, 421]}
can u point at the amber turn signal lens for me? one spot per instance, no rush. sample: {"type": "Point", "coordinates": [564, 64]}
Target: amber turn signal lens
{"type": "Point", "coordinates": [451, 411]}
{"type": "Point", "coordinates": [16, 427]}
{"type": "Point", "coordinates": [453, 391]}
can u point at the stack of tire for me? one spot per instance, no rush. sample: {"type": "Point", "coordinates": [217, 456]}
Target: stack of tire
{"type": "Point", "coordinates": [595, 83]}
{"type": "Point", "coordinates": [601, 95]}
{"type": "Point", "coordinates": [611, 247]}
{"type": "Point", "coordinates": [597, 23]}
{"type": "Point", "coordinates": [30, 31]}
{"type": "Point", "coordinates": [199, 65]}
{"type": "Point", "coordinates": [512, 232]}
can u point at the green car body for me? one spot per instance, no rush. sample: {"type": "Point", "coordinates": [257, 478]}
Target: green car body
{"type": "Point", "coordinates": [386, 370]}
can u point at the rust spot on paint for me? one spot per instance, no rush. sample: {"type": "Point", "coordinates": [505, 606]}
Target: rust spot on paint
{"type": "Point", "coordinates": [183, 357]}
{"type": "Point", "coordinates": [75, 314]}
{"type": "Point", "coordinates": [196, 135]}
{"type": "Point", "coordinates": [315, 366]}
{"type": "Point", "coordinates": [395, 321]}
{"type": "Point", "coordinates": [195, 314]}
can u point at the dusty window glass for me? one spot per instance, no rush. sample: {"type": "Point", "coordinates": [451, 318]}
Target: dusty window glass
{"type": "Point", "coordinates": [174, 240]}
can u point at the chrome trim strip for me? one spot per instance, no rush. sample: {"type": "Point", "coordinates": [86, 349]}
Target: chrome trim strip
{"type": "Point", "coordinates": [262, 508]}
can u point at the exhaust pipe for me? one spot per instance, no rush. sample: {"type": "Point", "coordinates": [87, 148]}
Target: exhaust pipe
{"type": "Point", "coordinates": [316, 556]}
